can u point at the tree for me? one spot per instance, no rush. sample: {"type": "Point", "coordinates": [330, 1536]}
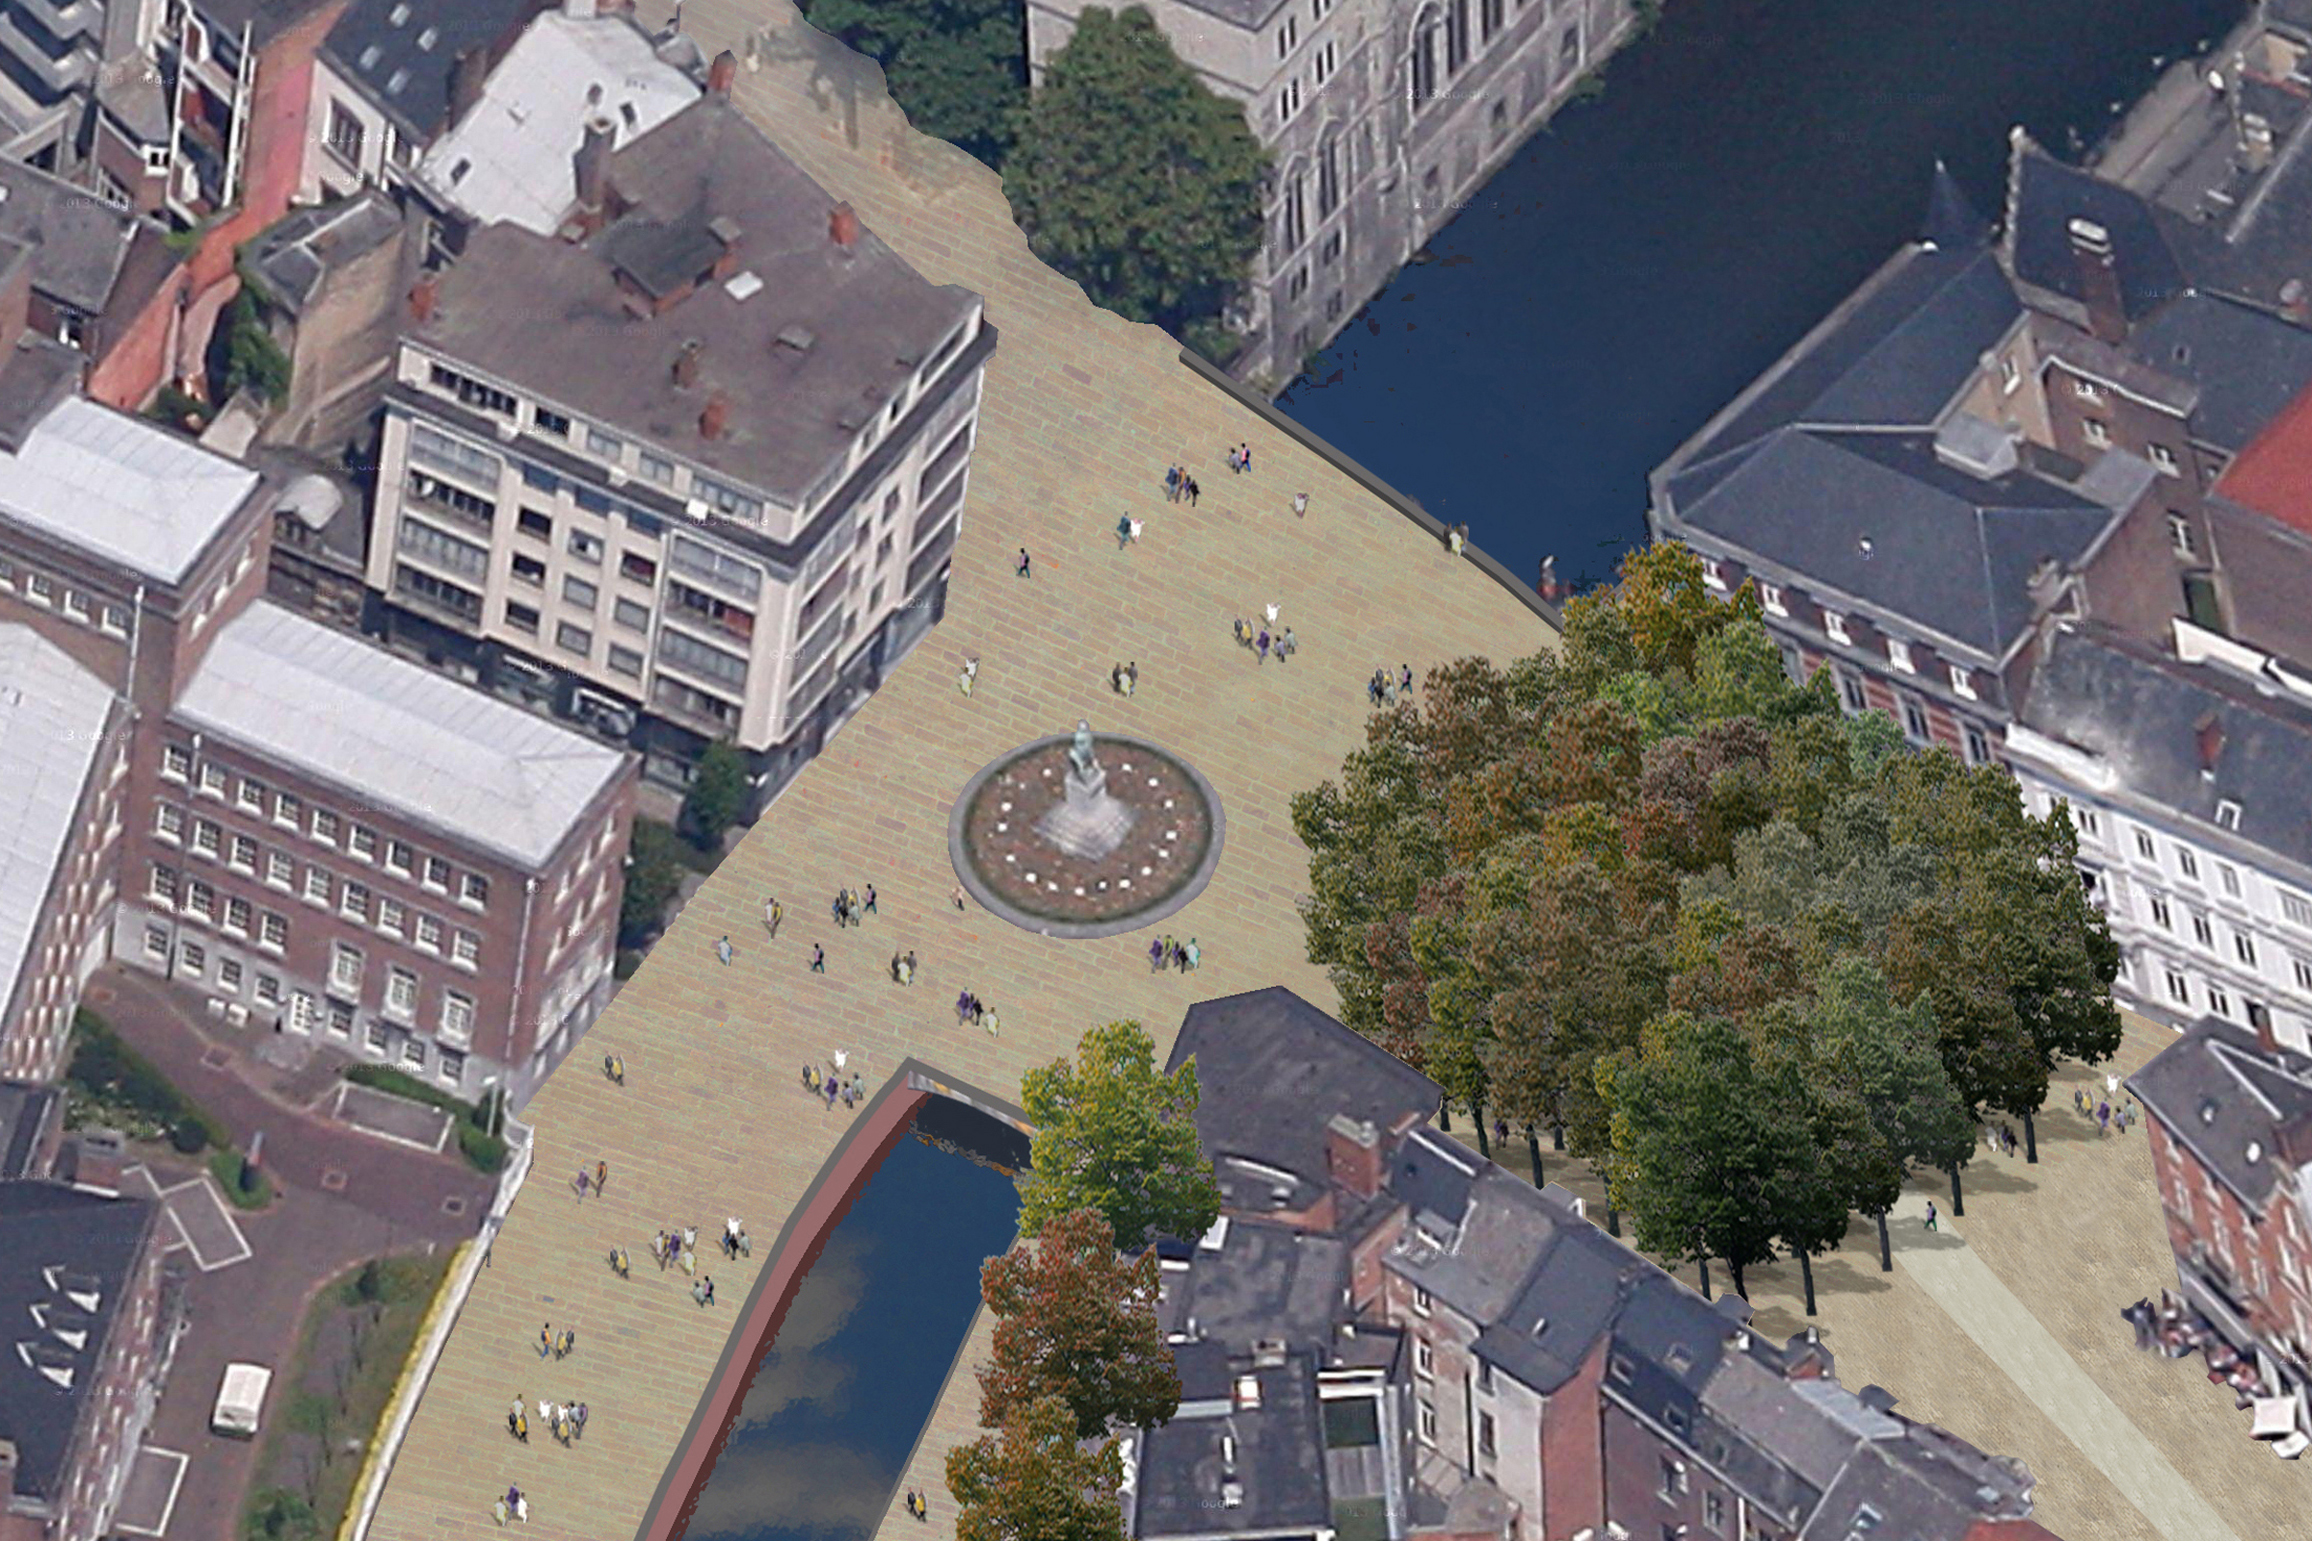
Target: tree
{"type": "Point", "coordinates": [1079, 1323]}
{"type": "Point", "coordinates": [958, 68]}
{"type": "Point", "coordinates": [280, 1514]}
{"type": "Point", "coordinates": [1132, 178]}
{"type": "Point", "coordinates": [653, 877]}
{"type": "Point", "coordinates": [1116, 1135]}
{"type": "Point", "coordinates": [1713, 1152]}
{"type": "Point", "coordinates": [1034, 1481]}
{"type": "Point", "coordinates": [718, 794]}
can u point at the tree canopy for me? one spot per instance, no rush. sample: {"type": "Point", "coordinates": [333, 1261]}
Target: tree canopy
{"type": "Point", "coordinates": [1116, 1135]}
{"type": "Point", "coordinates": [957, 67]}
{"type": "Point", "coordinates": [1077, 1322]}
{"type": "Point", "coordinates": [1131, 177]}
{"type": "Point", "coordinates": [1590, 887]}
{"type": "Point", "coordinates": [1034, 1481]}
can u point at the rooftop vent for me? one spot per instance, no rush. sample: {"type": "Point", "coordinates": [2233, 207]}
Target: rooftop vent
{"type": "Point", "coordinates": [428, 38]}
{"type": "Point", "coordinates": [370, 56]}
{"type": "Point", "coordinates": [2255, 1152]}
{"type": "Point", "coordinates": [798, 338]}
{"type": "Point", "coordinates": [398, 16]}
{"type": "Point", "coordinates": [1248, 1391]}
{"type": "Point", "coordinates": [745, 286]}
{"type": "Point", "coordinates": [395, 81]}
{"type": "Point", "coordinates": [2208, 1110]}
{"type": "Point", "coordinates": [1232, 1495]}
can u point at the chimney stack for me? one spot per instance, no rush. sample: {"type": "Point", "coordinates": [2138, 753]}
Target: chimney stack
{"type": "Point", "coordinates": [590, 166]}
{"type": "Point", "coordinates": [721, 73]}
{"type": "Point", "coordinates": [843, 226]}
{"type": "Point", "coordinates": [2099, 288]}
{"type": "Point", "coordinates": [686, 364]}
{"type": "Point", "coordinates": [713, 418]}
{"type": "Point", "coordinates": [2295, 302]}
{"type": "Point", "coordinates": [424, 297]}
{"type": "Point", "coordinates": [1353, 1155]}
{"type": "Point", "coordinates": [2209, 734]}
{"type": "Point", "coordinates": [1806, 1358]}
{"type": "Point", "coordinates": [467, 77]}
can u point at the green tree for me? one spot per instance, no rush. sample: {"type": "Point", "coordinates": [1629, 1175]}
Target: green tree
{"type": "Point", "coordinates": [1132, 178]}
{"type": "Point", "coordinates": [243, 352]}
{"type": "Point", "coordinates": [958, 68]}
{"type": "Point", "coordinates": [279, 1514]}
{"type": "Point", "coordinates": [653, 877]}
{"type": "Point", "coordinates": [1078, 1322]}
{"type": "Point", "coordinates": [1115, 1134]}
{"type": "Point", "coordinates": [718, 794]}
{"type": "Point", "coordinates": [1035, 1481]}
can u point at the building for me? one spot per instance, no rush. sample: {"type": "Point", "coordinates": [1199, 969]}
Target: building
{"type": "Point", "coordinates": [333, 278]}
{"type": "Point", "coordinates": [1897, 525]}
{"type": "Point", "coordinates": [1425, 1346]}
{"type": "Point", "coordinates": [1382, 118]}
{"type": "Point", "coordinates": [513, 157]}
{"type": "Point", "coordinates": [2187, 774]}
{"type": "Point", "coordinates": [237, 71]}
{"type": "Point", "coordinates": [2230, 1112]}
{"type": "Point", "coordinates": [320, 539]}
{"type": "Point", "coordinates": [88, 1317]}
{"type": "Point", "coordinates": [31, 1130]}
{"type": "Point", "coordinates": [80, 96]}
{"type": "Point", "coordinates": [694, 477]}
{"type": "Point", "coordinates": [102, 280]}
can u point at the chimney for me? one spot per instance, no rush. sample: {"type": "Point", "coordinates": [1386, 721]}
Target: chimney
{"type": "Point", "coordinates": [1353, 1155]}
{"type": "Point", "coordinates": [467, 77]}
{"type": "Point", "coordinates": [424, 297]}
{"type": "Point", "coordinates": [843, 226]}
{"type": "Point", "coordinates": [686, 365]}
{"type": "Point", "coordinates": [1806, 1358]}
{"type": "Point", "coordinates": [2255, 141]}
{"type": "Point", "coordinates": [2099, 280]}
{"type": "Point", "coordinates": [2208, 733]}
{"type": "Point", "coordinates": [721, 73]}
{"type": "Point", "coordinates": [713, 418]}
{"type": "Point", "coordinates": [2295, 302]}
{"type": "Point", "coordinates": [590, 166]}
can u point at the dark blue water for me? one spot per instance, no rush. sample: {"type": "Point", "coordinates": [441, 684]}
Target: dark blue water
{"type": "Point", "coordinates": [1640, 262]}
{"type": "Point", "coordinates": [859, 1361]}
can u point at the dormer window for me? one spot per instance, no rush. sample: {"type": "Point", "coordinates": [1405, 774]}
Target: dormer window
{"type": "Point", "coordinates": [2228, 815]}
{"type": "Point", "coordinates": [1899, 656]}
{"type": "Point", "coordinates": [1834, 627]}
{"type": "Point", "coordinates": [1962, 683]}
{"type": "Point", "coordinates": [1770, 599]}
{"type": "Point", "coordinates": [1714, 574]}
{"type": "Point", "coordinates": [1421, 1301]}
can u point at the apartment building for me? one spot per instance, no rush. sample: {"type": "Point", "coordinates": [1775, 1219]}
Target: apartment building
{"type": "Point", "coordinates": [88, 1335]}
{"type": "Point", "coordinates": [80, 95]}
{"type": "Point", "coordinates": [2184, 774]}
{"type": "Point", "coordinates": [2231, 1139]}
{"type": "Point", "coordinates": [1382, 117]}
{"type": "Point", "coordinates": [694, 476]}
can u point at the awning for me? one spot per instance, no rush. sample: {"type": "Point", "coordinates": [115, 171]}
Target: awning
{"type": "Point", "coordinates": [2275, 1416]}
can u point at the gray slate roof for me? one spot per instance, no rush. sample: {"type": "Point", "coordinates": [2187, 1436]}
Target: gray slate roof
{"type": "Point", "coordinates": [2049, 195]}
{"type": "Point", "coordinates": [1265, 1283]}
{"type": "Point", "coordinates": [121, 489]}
{"type": "Point", "coordinates": [297, 253]}
{"type": "Point", "coordinates": [52, 719]}
{"type": "Point", "coordinates": [67, 1256]}
{"type": "Point", "coordinates": [2219, 1094]}
{"type": "Point", "coordinates": [403, 52]}
{"type": "Point", "coordinates": [1273, 1071]}
{"type": "Point", "coordinates": [1279, 1465]}
{"type": "Point", "coordinates": [2142, 712]}
{"type": "Point", "coordinates": [439, 753]}
{"type": "Point", "coordinates": [1569, 1303]}
{"type": "Point", "coordinates": [80, 241]}
{"type": "Point", "coordinates": [23, 1109]}
{"type": "Point", "coordinates": [1487, 1259]}
{"type": "Point", "coordinates": [2247, 363]}
{"type": "Point", "coordinates": [549, 317]}
{"type": "Point", "coordinates": [266, 19]}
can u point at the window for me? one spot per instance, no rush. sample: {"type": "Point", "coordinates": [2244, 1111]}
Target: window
{"type": "Point", "coordinates": [273, 931]}
{"type": "Point", "coordinates": [1296, 225]}
{"type": "Point", "coordinates": [169, 823]}
{"type": "Point", "coordinates": [279, 869]}
{"type": "Point", "coordinates": [2087, 390]}
{"type": "Point", "coordinates": [1424, 1359]}
{"type": "Point", "coordinates": [176, 762]}
{"type": "Point", "coordinates": [1423, 80]}
{"type": "Point", "coordinates": [399, 857]}
{"type": "Point", "coordinates": [363, 842]}
{"type": "Point", "coordinates": [40, 589]}
{"type": "Point", "coordinates": [400, 994]}
{"type": "Point", "coordinates": [244, 857]}
{"type": "Point", "coordinates": [2302, 969]}
{"type": "Point", "coordinates": [472, 392]}
{"type": "Point", "coordinates": [600, 443]}
{"type": "Point", "coordinates": [626, 661]}
{"type": "Point", "coordinates": [429, 933]}
{"type": "Point", "coordinates": [2094, 430]}
{"type": "Point", "coordinates": [550, 422]}
{"type": "Point", "coordinates": [345, 134]}
{"type": "Point", "coordinates": [2202, 931]}
{"type": "Point", "coordinates": [574, 639]}
{"type": "Point", "coordinates": [287, 809]}
{"type": "Point", "coordinates": [1673, 1477]}
{"type": "Point", "coordinates": [1287, 37]}
{"type": "Point", "coordinates": [1850, 688]}
{"type": "Point", "coordinates": [1770, 599]}
{"type": "Point", "coordinates": [1978, 746]}
{"type": "Point", "coordinates": [193, 960]}
{"type": "Point", "coordinates": [2228, 817]}
{"type": "Point", "coordinates": [1328, 59]}
{"type": "Point", "coordinates": [213, 780]}
{"type": "Point", "coordinates": [1485, 1372]}
{"type": "Point", "coordinates": [1899, 655]}
{"type": "Point", "coordinates": [453, 1067]}
{"type": "Point", "coordinates": [578, 591]}
{"type": "Point", "coordinates": [1713, 573]}
{"type": "Point", "coordinates": [1834, 627]}
{"type": "Point", "coordinates": [657, 468]}
{"type": "Point", "coordinates": [1915, 721]}
{"type": "Point", "coordinates": [238, 914]}
{"type": "Point", "coordinates": [206, 837]}
{"type": "Point", "coordinates": [1714, 1502]}
{"type": "Point", "coordinates": [2179, 988]}
{"type": "Point", "coordinates": [2219, 1002]}
{"type": "Point", "coordinates": [474, 891]}
{"type": "Point", "coordinates": [534, 524]}
{"type": "Point", "coordinates": [2180, 538]}
{"type": "Point", "coordinates": [1426, 1424]}
{"type": "Point", "coordinates": [1485, 1420]}
{"type": "Point", "coordinates": [1488, 23]}
{"type": "Point", "coordinates": [344, 968]}
{"type": "Point", "coordinates": [1456, 36]}
{"type": "Point", "coordinates": [1421, 1301]}
{"type": "Point", "coordinates": [437, 874]}
{"type": "Point", "coordinates": [353, 902]}
{"type": "Point", "coordinates": [632, 616]}
{"type": "Point", "coordinates": [2229, 876]}
{"type": "Point", "coordinates": [466, 950]}
{"type": "Point", "coordinates": [115, 620]}
{"type": "Point", "coordinates": [2245, 946]}
{"type": "Point", "coordinates": [1569, 47]}
{"type": "Point", "coordinates": [390, 916]}
{"type": "Point", "coordinates": [200, 899]}
{"type": "Point", "coordinates": [162, 890]}
{"type": "Point", "coordinates": [376, 1037]}
{"type": "Point", "coordinates": [585, 547]}
{"type": "Point", "coordinates": [2164, 458]}
{"type": "Point", "coordinates": [634, 567]}
{"type": "Point", "coordinates": [316, 886]}
{"type": "Point", "coordinates": [529, 570]}
{"type": "Point", "coordinates": [2161, 915]}
{"type": "Point", "coordinates": [251, 795]}
{"type": "Point", "coordinates": [523, 618]}
{"type": "Point", "coordinates": [2187, 863]}
{"type": "Point", "coordinates": [268, 989]}
{"type": "Point", "coordinates": [2145, 846]}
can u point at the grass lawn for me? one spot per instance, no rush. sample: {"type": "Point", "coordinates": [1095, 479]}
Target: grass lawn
{"type": "Point", "coordinates": [325, 1407]}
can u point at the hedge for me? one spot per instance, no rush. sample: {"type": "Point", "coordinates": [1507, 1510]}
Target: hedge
{"type": "Point", "coordinates": [485, 1151]}
{"type": "Point", "coordinates": [111, 1071]}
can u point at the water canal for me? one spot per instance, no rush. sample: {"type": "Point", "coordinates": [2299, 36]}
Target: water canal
{"type": "Point", "coordinates": [856, 1366]}
{"type": "Point", "coordinates": [1651, 253]}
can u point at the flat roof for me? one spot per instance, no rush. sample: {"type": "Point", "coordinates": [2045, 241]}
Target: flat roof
{"type": "Point", "coordinates": [124, 490]}
{"type": "Point", "coordinates": [439, 753]}
{"type": "Point", "coordinates": [52, 719]}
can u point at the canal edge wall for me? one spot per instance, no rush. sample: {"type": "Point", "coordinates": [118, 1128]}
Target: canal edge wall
{"type": "Point", "coordinates": [1524, 593]}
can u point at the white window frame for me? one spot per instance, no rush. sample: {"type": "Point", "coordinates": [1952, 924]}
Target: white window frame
{"type": "Point", "coordinates": [1713, 574]}
{"type": "Point", "coordinates": [273, 931]}
{"type": "Point", "coordinates": [1962, 683]}
{"type": "Point", "coordinates": [1834, 627]}
{"type": "Point", "coordinates": [345, 968]}
{"type": "Point", "coordinates": [402, 992]}
{"type": "Point", "coordinates": [176, 763]}
{"type": "Point", "coordinates": [466, 950]}
{"type": "Point", "coordinates": [1899, 656]}
{"type": "Point", "coordinates": [1770, 599]}
{"type": "Point", "coordinates": [169, 823]}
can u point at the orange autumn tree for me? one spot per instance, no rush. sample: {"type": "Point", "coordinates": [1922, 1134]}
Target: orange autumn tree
{"type": "Point", "coordinates": [1078, 1322]}
{"type": "Point", "coordinates": [1035, 1481]}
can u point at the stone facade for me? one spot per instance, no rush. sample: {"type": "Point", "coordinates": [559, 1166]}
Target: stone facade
{"type": "Point", "coordinates": [1384, 117]}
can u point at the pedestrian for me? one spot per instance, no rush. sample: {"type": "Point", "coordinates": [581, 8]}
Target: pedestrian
{"type": "Point", "coordinates": [578, 1419]}
{"type": "Point", "coordinates": [618, 1263]}
{"type": "Point", "coordinates": [1271, 613]}
{"type": "Point", "coordinates": [581, 1185]}
{"type": "Point", "coordinates": [1155, 957]}
{"type": "Point", "coordinates": [1132, 676]}
{"type": "Point", "coordinates": [1193, 490]}
{"type": "Point", "coordinates": [834, 1089]}
{"type": "Point", "coordinates": [1260, 645]}
{"type": "Point", "coordinates": [1501, 1130]}
{"type": "Point", "coordinates": [1300, 505]}
{"type": "Point", "coordinates": [615, 1068]}
{"type": "Point", "coordinates": [2102, 1119]}
{"type": "Point", "coordinates": [962, 1007]}
{"type": "Point", "coordinates": [1022, 569]}
{"type": "Point", "coordinates": [991, 1024]}
{"type": "Point", "coordinates": [545, 1339]}
{"type": "Point", "coordinates": [522, 1507]}
{"type": "Point", "coordinates": [698, 1292]}
{"type": "Point", "coordinates": [1136, 527]}
{"type": "Point", "coordinates": [870, 898]}
{"type": "Point", "coordinates": [895, 962]}
{"type": "Point", "coordinates": [910, 961]}
{"type": "Point", "coordinates": [1244, 453]}
{"type": "Point", "coordinates": [810, 1078]}
{"type": "Point", "coordinates": [818, 959]}
{"type": "Point", "coordinates": [1233, 466]}
{"type": "Point", "coordinates": [963, 682]}
{"type": "Point", "coordinates": [1116, 677]}
{"type": "Point", "coordinates": [568, 1342]}
{"type": "Point", "coordinates": [1171, 481]}
{"type": "Point", "coordinates": [1932, 1223]}
{"type": "Point", "coordinates": [1195, 956]}
{"type": "Point", "coordinates": [601, 1176]}
{"type": "Point", "coordinates": [710, 1289]}
{"type": "Point", "coordinates": [722, 950]}
{"type": "Point", "coordinates": [959, 896]}
{"type": "Point", "coordinates": [1123, 531]}
{"type": "Point", "coordinates": [976, 1009]}
{"type": "Point", "coordinates": [1236, 630]}
{"type": "Point", "coordinates": [1405, 679]}
{"type": "Point", "coordinates": [771, 917]}
{"type": "Point", "coordinates": [1287, 647]}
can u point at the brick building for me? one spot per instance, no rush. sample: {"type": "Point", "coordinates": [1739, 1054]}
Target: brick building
{"type": "Point", "coordinates": [87, 1337]}
{"type": "Point", "coordinates": [1385, 1335]}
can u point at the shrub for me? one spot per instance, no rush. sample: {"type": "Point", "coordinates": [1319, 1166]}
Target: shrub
{"type": "Point", "coordinates": [486, 1152]}
{"type": "Point", "coordinates": [189, 1138]}
{"type": "Point", "coordinates": [109, 1071]}
{"type": "Point", "coordinates": [246, 1186]}
{"type": "Point", "coordinates": [629, 959]}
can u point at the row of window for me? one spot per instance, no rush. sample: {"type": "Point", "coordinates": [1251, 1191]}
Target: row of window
{"type": "Point", "coordinates": [1900, 655]}
{"type": "Point", "coordinates": [1451, 25]}
{"type": "Point", "coordinates": [74, 605]}
{"type": "Point", "coordinates": [1918, 727]}
{"type": "Point", "coordinates": [288, 811]}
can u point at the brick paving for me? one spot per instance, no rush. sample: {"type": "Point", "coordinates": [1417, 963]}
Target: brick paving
{"type": "Point", "coordinates": [1082, 414]}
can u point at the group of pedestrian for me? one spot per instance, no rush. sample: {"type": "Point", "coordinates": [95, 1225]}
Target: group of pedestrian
{"type": "Point", "coordinates": [1384, 688]}
{"type": "Point", "coordinates": [2002, 1138]}
{"type": "Point", "coordinates": [970, 1008]}
{"type": "Point", "coordinates": [735, 1241]}
{"type": "Point", "coordinates": [1124, 679]}
{"type": "Point", "coordinates": [963, 681]}
{"type": "Point", "coordinates": [834, 1087]}
{"type": "Point", "coordinates": [918, 1505]}
{"type": "Point", "coordinates": [1456, 537]}
{"type": "Point", "coordinates": [850, 906]}
{"type": "Point", "coordinates": [1261, 642]}
{"type": "Point", "coordinates": [514, 1506]}
{"type": "Point", "coordinates": [1179, 484]}
{"type": "Point", "coordinates": [676, 1247]}
{"type": "Point", "coordinates": [599, 1178]}
{"type": "Point", "coordinates": [703, 1291]}
{"type": "Point", "coordinates": [903, 967]}
{"type": "Point", "coordinates": [2107, 1117]}
{"type": "Point", "coordinates": [772, 915]}
{"type": "Point", "coordinates": [619, 1264]}
{"type": "Point", "coordinates": [614, 1067]}
{"type": "Point", "coordinates": [1240, 458]}
{"type": "Point", "coordinates": [1127, 531]}
{"type": "Point", "coordinates": [1166, 953]}
{"type": "Point", "coordinates": [555, 1343]}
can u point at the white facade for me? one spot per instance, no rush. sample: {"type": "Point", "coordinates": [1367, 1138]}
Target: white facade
{"type": "Point", "coordinates": [349, 144]}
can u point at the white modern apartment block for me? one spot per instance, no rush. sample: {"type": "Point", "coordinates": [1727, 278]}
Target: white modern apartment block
{"type": "Point", "coordinates": [689, 470]}
{"type": "Point", "coordinates": [1383, 116]}
{"type": "Point", "coordinates": [2190, 783]}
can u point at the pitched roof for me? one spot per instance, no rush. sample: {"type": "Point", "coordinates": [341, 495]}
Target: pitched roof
{"type": "Point", "coordinates": [121, 489]}
{"type": "Point", "coordinates": [2224, 1099]}
{"type": "Point", "coordinates": [80, 242]}
{"type": "Point", "coordinates": [403, 52]}
{"type": "Point", "coordinates": [298, 252]}
{"type": "Point", "coordinates": [2248, 364]}
{"type": "Point", "coordinates": [2273, 475]}
{"type": "Point", "coordinates": [265, 19]}
{"type": "Point", "coordinates": [1274, 1070]}
{"type": "Point", "coordinates": [801, 358]}
{"type": "Point", "coordinates": [438, 753]}
{"type": "Point", "coordinates": [1256, 1471]}
{"type": "Point", "coordinates": [1483, 1262]}
{"type": "Point", "coordinates": [2153, 720]}
{"type": "Point", "coordinates": [1263, 1283]}
{"type": "Point", "coordinates": [65, 1263]}
{"type": "Point", "coordinates": [511, 157]}
{"type": "Point", "coordinates": [1568, 1305]}
{"type": "Point", "coordinates": [2048, 196]}
{"type": "Point", "coordinates": [52, 723]}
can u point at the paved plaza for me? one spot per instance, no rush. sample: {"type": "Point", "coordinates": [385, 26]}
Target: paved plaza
{"type": "Point", "coordinates": [1082, 414]}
